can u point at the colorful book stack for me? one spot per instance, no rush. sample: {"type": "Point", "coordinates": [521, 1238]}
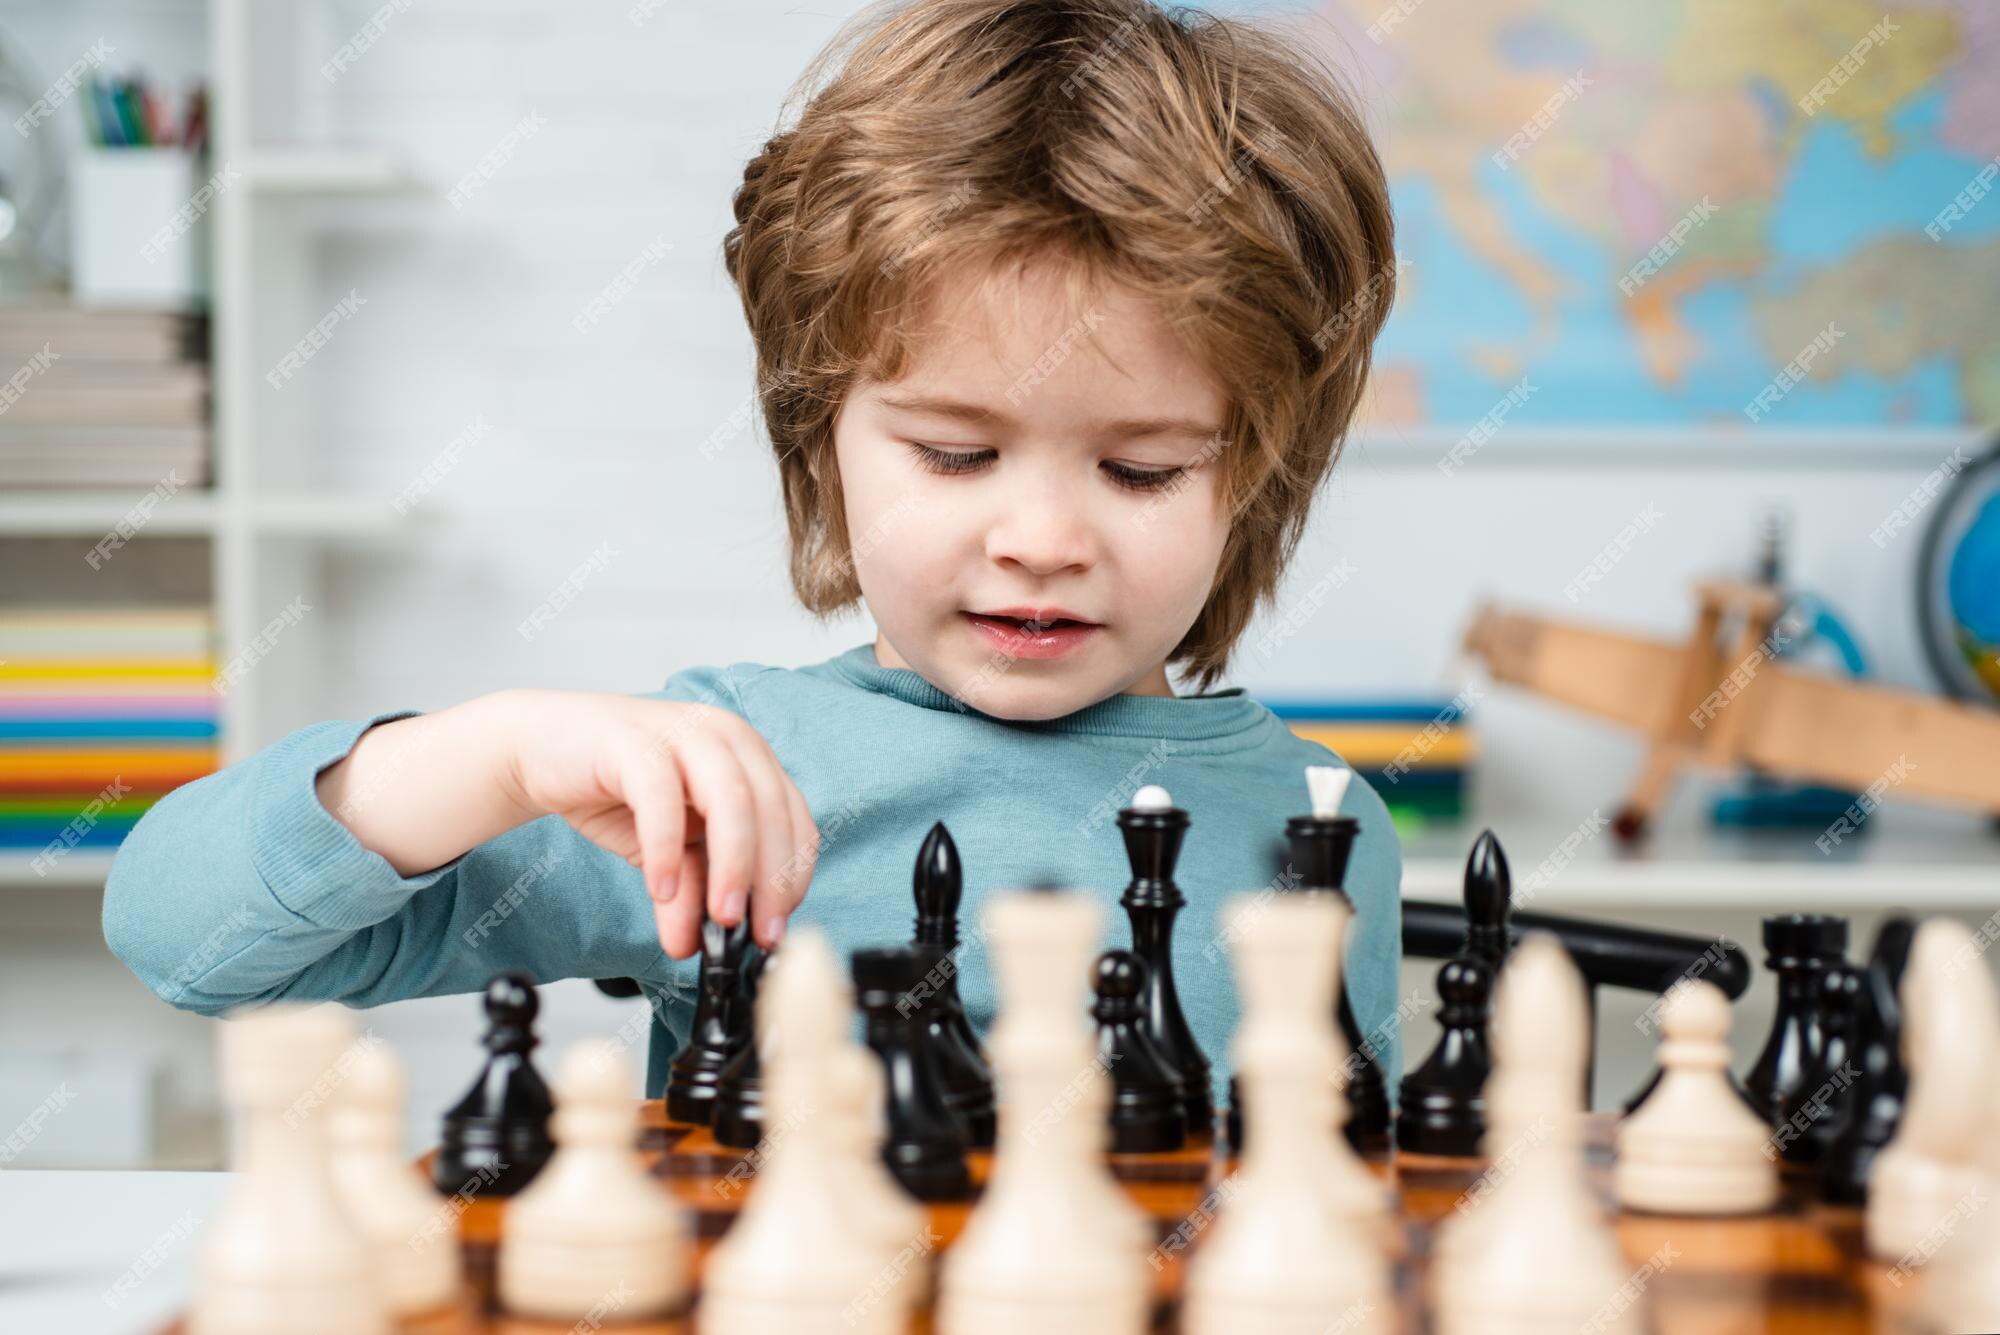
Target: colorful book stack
{"type": "Point", "coordinates": [101, 713]}
{"type": "Point", "coordinates": [1414, 751]}
{"type": "Point", "coordinates": [102, 398]}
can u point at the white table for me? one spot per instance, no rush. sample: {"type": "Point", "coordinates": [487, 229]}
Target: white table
{"type": "Point", "coordinates": [85, 1253]}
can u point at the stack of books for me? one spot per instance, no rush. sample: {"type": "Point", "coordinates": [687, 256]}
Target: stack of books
{"type": "Point", "coordinates": [93, 398]}
{"type": "Point", "coordinates": [1414, 751]}
{"type": "Point", "coordinates": [102, 712]}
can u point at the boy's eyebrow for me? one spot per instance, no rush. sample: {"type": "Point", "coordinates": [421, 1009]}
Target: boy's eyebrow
{"type": "Point", "coordinates": [1123, 429]}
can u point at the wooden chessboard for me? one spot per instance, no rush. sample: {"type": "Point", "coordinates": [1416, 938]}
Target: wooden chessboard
{"type": "Point", "coordinates": [1798, 1269]}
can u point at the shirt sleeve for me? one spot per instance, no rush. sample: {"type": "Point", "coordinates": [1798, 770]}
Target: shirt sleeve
{"type": "Point", "coordinates": [241, 888]}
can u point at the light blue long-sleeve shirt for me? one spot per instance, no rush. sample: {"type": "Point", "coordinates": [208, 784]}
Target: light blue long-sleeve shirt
{"type": "Point", "coordinates": [240, 888]}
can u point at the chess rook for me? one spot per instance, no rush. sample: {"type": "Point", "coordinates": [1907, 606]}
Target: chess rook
{"type": "Point", "coordinates": [1817, 1108]}
{"type": "Point", "coordinates": [1798, 948]}
{"type": "Point", "coordinates": [1153, 829]}
{"type": "Point", "coordinates": [926, 1143]}
{"type": "Point", "coordinates": [496, 1138]}
{"type": "Point", "coordinates": [938, 886]}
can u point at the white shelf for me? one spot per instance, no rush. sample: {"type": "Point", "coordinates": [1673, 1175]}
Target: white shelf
{"type": "Point", "coordinates": [92, 514]}
{"type": "Point", "coordinates": [76, 868]}
{"type": "Point", "coordinates": [95, 513]}
{"type": "Point", "coordinates": [317, 171]}
{"type": "Point", "coordinates": [1911, 858]}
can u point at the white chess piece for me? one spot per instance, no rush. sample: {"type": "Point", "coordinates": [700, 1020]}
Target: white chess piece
{"type": "Point", "coordinates": [1493, 1273]}
{"type": "Point", "coordinates": [1694, 1147]}
{"type": "Point", "coordinates": [1961, 1279]}
{"type": "Point", "coordinates": [1951, 1035]}
{"type": "Point", "coordinates": [414, 1239]}
{"type": "Point", "coordinates": [593, 1236]}
{"type": "Point", "coordinates": [856, 1125]}
{"type": "Point", "coordinates": [1277, 1259]}
{"type": "Point", "coordinates": [793, 1263]}
{"type": "Point", "coordinates": [283, 1253]}
{"type": "Point", "coordinates": [1053, 1247]}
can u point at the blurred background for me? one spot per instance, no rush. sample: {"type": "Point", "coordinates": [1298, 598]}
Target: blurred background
{"type": "Point", "coordinates": [363, 355]}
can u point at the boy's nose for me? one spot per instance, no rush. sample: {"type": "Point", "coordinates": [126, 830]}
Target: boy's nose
{"type": "Point", "coordinates": [1043, 532]}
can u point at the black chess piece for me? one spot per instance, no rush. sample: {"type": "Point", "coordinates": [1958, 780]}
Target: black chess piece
{"type": "Point", "coordinates": [1875, 1104]}
{"type": "Point", "coordinates": [1152, 901]}
{"type": "Point", "coordinates": [1443, 1104]}
{"type": "Point", "coordinates": [1147, 1100]}
{"type": "Point", "coordinates": [1798, 947]}
{"type": "Point", "coordinates": [1321, 847]}
{"type": "Point", "coordinates": [938, 884]}
{"type": "Point", "coordinates": [722, 1025]}
{"type": "Point", "coordinates": [496, 1138]}
{"type": "Point", "coordinates": [739, 1089]}
{"type": "Point", "coordinates": [1819, 1104]}
{"type": "Point", "coordinates": [925, 1142]}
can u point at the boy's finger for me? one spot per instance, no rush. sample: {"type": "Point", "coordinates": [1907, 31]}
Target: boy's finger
{"type": "Point", "coordinates": [806, 840]}
{"type": "Point", "coordinates": [651, 786]}
{"type": "Point", "coordinates": [776, 854]}
{"type": "Point", "coordinates": [679, 921]}
{"type": "Point", "coordinates": [717, 788]}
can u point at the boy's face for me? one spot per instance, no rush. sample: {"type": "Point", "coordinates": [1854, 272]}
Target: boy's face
{"type": "Point", "coordinates": [1036, 462]}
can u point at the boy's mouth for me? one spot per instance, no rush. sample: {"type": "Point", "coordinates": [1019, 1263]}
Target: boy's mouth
{"type": "Point", "coordinates": [1044, 633]}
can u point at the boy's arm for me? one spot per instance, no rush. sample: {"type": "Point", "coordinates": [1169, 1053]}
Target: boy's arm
{"type": "Point", "coordinates": [243, 888]}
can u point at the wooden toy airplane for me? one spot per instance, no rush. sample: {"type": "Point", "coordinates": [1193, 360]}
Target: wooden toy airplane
{"type": "Point", "coordinates": [1722, 701]}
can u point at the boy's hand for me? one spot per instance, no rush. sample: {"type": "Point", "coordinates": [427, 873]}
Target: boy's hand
{"type": "Point", "coordinates": [691, 795]}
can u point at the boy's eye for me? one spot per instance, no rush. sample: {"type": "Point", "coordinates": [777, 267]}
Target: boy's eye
{"type": "Point", "coordinates": [1141, 479]}
{"type": "Point", "coordinates": [948, 461]}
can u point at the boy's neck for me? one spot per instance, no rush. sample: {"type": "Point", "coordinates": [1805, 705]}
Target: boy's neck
{"type": "Point", "coordinates": [1153, 683]}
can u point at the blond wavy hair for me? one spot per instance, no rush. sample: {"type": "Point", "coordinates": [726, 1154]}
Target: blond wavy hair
{"type": "Point", "coordinates": [1199, 161]}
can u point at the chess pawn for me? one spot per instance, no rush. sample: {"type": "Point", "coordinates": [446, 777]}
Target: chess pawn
{"type": "Point", "coordinates": [1147, 1102]}
{"type": "Point", "coordinates": [283, 1253]}
{"type": "Point", "coordinates": [1693, 1147]}
{"type": "Point", "coordinates": [938, 885]}
{"type": "Point", "coordinates": [1533, 1252]}
{"type": "Point", "coordinates": [793, 1263]}
{"type": "Point", "coordinates": [413, 1237]}
{"type": "Point", "coordinates": [1278, 1260]}
{"type": "Point", "coordinates": [1951, 1035]}
{"type": "Point", "coordinates": [721, 1025]}
{"type": "Point", "coordinates": [594, 1227]}
{"type": "Point", "coordinates": [496, 1138]}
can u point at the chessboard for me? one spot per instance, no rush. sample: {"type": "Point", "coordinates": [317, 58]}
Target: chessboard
{"type": "Point", "coordinates": [1801, 1267]}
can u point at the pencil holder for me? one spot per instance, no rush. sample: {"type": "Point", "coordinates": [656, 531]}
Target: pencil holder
{"type": "Point", "coordinates": [139, 227]}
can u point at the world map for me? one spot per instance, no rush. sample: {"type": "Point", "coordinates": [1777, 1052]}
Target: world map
{"type": "Point", "coordinates": [1766, 215]}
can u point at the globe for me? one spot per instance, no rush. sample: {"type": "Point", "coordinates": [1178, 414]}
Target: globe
{"type": "Point", "coordinates": [1959, 575]}
{"type": "Point", "coordinates": [1972, 591]}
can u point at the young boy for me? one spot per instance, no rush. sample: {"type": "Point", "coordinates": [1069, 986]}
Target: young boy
{"type": "Point", "coordinates": [1062, 308]}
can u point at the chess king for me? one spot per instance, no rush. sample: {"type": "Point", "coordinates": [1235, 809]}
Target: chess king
{"type": "Point", "coordinates": [1051, 405]}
